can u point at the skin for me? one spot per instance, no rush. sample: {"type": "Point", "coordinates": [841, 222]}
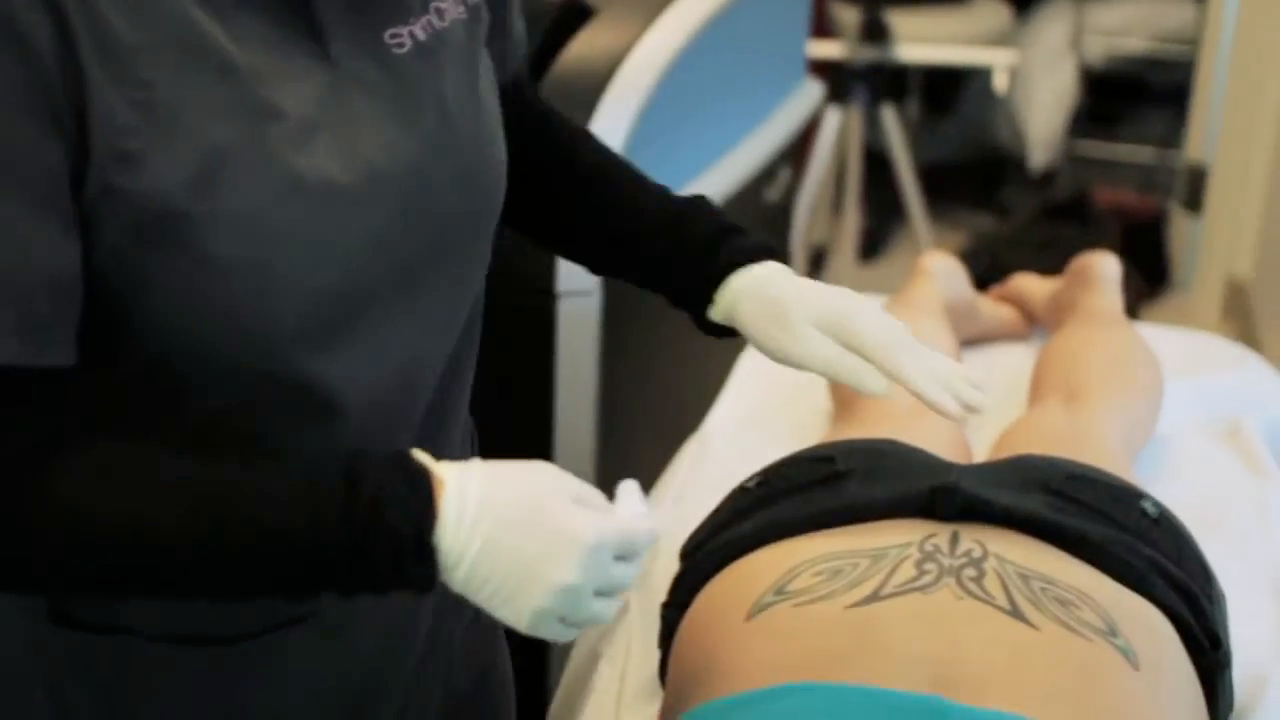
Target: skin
{"type": "Point", "coordinates": [981, 615]}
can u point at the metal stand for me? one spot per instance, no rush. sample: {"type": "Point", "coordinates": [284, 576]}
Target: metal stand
{"type": "Point", "coordinates": [854, 91]}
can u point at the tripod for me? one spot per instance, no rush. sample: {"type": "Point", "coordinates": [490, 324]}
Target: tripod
{"type": "Point", "coordinates": [854, 91]}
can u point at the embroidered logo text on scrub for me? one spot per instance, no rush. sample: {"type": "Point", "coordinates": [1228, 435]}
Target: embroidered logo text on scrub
{"type": "Point", "coordinates": [439, 16]}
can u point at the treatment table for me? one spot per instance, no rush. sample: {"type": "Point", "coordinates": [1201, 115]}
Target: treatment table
{"type": "Point", "coordinates": [1213, 461]}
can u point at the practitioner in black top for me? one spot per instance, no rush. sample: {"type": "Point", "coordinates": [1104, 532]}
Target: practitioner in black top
{"type": "Point", "coordinates": [242, 255]}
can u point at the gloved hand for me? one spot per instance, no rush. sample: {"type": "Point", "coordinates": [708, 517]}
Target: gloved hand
{"type": "Point", "coordinates": [539, 549]}
{"type": "Point", "coordinates": [840, 334]}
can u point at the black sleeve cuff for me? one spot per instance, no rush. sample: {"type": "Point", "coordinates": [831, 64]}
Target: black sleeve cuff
{"type": "Point", "coordinates": [392, 517]}
{"type": "Point", "coordinates": [735, 251]}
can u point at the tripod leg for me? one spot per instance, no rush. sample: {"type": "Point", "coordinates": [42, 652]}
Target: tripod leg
{"type": "Point", "coordinates": [818, 168]}
{"type": "Point", "coordinates": [849, 210]}
{"type": "Point", "coordinates": [910, 189]}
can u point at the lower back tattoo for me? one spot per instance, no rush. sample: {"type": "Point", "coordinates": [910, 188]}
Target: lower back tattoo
{"type": "Point", "coordinates": [960, 564]}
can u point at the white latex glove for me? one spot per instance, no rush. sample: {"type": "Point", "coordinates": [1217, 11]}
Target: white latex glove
{"type": "Point", "coordinates": [841, 335]}
{"type": "Point", "coordinates": [539, 549]}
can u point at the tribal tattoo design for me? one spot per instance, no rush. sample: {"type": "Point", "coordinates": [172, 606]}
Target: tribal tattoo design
{"type": "Point", "coordinates": [963, 566]}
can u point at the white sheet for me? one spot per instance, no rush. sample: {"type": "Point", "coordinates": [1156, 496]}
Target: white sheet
{"type": "Point", "coordinates": [1213, 461]}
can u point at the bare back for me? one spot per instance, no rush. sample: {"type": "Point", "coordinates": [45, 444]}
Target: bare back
{"type": "Point", "coordinates": [981, 615]}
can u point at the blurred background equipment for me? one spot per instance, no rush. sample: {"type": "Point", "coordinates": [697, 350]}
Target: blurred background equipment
{"type": "Point", "coordinates": [1033, 129]}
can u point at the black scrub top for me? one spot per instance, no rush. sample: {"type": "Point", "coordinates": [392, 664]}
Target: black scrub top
{"type": "Point", "coordinates": [269, 222]}
{"type": "Point", "coordinates": [242, 256]}
{"type": "Point", "coordinates": [285, 206]}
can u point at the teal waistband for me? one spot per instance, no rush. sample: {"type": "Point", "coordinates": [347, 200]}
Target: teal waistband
{"type": "Point", "coordinates": [822, 701]}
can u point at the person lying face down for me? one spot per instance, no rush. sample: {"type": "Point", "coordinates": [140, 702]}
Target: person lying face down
{"type": "Point", "coordinates": [884, 574]}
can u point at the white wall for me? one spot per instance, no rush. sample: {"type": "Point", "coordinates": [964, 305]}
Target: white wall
{"type": "Point", "coordinates": [1235, 126]}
